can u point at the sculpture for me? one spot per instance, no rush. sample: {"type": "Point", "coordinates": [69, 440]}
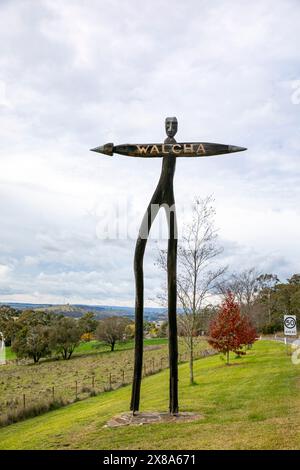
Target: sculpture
{"type": "Point", "coordinates": [163, 196]}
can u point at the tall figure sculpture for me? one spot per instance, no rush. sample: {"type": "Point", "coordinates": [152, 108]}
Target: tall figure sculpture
{"type": "Point", "coordinates": [163, 196]}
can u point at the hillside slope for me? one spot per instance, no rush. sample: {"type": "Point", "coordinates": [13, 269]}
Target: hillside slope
{"type": "Point", "coordinates": [254, 404]}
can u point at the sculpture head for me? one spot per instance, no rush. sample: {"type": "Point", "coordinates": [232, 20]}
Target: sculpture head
{"type": "Point", "coordinates": [171, 126]}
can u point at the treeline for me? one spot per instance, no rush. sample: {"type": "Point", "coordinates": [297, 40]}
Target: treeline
{"type": "Point", "coordinates": [265, 298]}
{"type": "Point", "coordinates": [37, 335]}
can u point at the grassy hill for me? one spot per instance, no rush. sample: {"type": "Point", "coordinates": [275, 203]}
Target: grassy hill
{"type": "Point", "coordinates": [254, 404]}
{"type": "Point", "coordinates": [92, 369]}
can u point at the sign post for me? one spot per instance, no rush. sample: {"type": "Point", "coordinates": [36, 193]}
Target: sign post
{"type": "Point", "coordinates": [163, 197]}
{"type": "Point", "coordinates": [290, 325]}
{"type": "Point", "coordinates": [290, 328]}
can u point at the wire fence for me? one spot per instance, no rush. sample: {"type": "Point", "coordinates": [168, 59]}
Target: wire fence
{"type": "Point", "coordinates": [55, 396]}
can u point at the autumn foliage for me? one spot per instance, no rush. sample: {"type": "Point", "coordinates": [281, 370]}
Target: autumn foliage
{"type": "Point", "coordinates": [231, 331]}
{"type": "Point", "coordinates": [87, 337]}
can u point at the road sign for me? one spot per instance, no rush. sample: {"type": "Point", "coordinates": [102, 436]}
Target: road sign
{"type": "Point", "coordinates": [290, 325]}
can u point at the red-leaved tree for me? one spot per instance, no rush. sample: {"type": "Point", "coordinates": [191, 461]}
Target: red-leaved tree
{"type": "Point", "coordinates": [230, 331]}
{"type": "Point", "coordinates": [248, 332]}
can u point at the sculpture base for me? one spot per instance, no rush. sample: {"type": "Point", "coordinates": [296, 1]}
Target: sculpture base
{"type": "Point", "coordinates": [151, 417]}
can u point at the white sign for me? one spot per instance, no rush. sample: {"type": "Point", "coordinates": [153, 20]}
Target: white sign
{"type": "Point", "coordinates": [290, 325]}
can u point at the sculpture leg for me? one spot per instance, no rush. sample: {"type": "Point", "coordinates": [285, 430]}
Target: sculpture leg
{"type": "Point", "coordinates": [172, 301]}
{"type": "Point", "coordinates": [163, 195]}
{"type": "Point", "coordinates": [139, 301]}
{"type": "Point", "coordinates": [139, 323]}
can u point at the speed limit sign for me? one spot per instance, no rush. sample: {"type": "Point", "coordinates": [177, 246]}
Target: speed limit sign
{"type": "Point", "coordinates": [290, 325]}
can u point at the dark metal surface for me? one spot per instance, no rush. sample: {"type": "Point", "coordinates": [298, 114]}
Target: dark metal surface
{"type": "Point", "coordinates": [175, 149]}
{"type": "Point", "coordinates": [163, 197]}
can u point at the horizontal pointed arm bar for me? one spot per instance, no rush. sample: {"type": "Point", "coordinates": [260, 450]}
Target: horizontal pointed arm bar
{"type": "Point", "coordinates": [183, 149]}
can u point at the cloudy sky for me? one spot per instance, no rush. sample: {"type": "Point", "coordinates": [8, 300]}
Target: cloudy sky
{"type": "Point", "coordinates": [74, 75]}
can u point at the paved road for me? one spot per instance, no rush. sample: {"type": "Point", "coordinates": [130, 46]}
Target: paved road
{"type": "Point", "coordinates": [281, 339]}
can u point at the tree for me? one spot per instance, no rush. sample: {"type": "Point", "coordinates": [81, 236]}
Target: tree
{"type": "Point", "coordinates": [245, 286]}
{"type": "Point", "coordinates": [36, 317]}
{"type": "Point", "coordinates": [130, 331]}
{"type": "Point", "coordinates": [248, 333]}
{"type": "Point", "coordinates": [150, 329]}
{"type": "Point", "coordinates": [32, 342]}
{"type": "Point", "coordinates": [31, 334]}
{"type": "Point", "coordinates": [230, 331]}
{"type": "Point", "coordinates": [294, 280]}
{"type": "Point", "coordinates": [88, 323]}
{"type": "Point", "coordinates": [286, 300]}
{"type": "Point", "coordinates": [8, 327]}
{"type": "Point", "coordinates": [207, 315]}
{"type": "Point", "coordinates": [112, 329]}
{"type": "Point", "coordinates": [267, 284]}
{"type": "Point", "coordinates": [163, 330]}
{"type": "Point", "coordinates": [65, 336]}
{"type": "Point", "coordinates": [196, 276]}
{"type": "Point", "coordinates": [87, 337]}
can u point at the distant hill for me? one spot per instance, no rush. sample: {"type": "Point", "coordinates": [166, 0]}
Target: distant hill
{"type": "Point", "coordinates": [101, 311]}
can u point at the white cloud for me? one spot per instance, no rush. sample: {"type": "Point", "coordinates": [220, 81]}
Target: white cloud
{"type": "Point", "coordinates": [78, 74]}
{"type": "Point", "coordinates": [4, 271]}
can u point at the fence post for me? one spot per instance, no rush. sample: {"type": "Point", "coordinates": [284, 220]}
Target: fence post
{"type": "Point", "coordinates": [53, 393]}
{"type": "Point", "coordinates": [110, 380]}
{"type": "Point", "coordinates": [153, 364]}
{"type": "Point", "coordinates": [123, 377]}
{"type": "Point", "coordinates": [24, 401]}
{"type": "Point", "coordinates": [76, 389]}
{"type": "Point", "coordinates": [93, 382]}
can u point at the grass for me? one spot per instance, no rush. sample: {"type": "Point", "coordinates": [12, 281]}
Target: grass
{"type": "Point", "coordinates": [254, 404]}
{"type": "Point", "coordinates": [97, 346]}
{"type": "Point", "coordinates": [91, 370]}
{"type": "Point", "coordinates": [9, 354]}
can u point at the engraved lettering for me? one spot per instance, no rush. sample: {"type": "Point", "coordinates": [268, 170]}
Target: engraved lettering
{"type": "Point", "coordinates": [142, 149]}
{"type": "Point", "coordinates": [154, 149]}
{"type": "Point", "coordinates": [201, 149]}
{"type": "Point", "coordinates": [176, 148]}
{"type": "Point", "coordinates": [188, 148]}
{"type": "Point", "coordinates": [163, 150]}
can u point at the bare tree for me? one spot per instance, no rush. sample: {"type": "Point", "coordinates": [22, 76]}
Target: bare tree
{"type": "Point", "coordinates": [196, 278]}
{"type": "Point", "coordinates": [267, 284]}
{"type": "Point", "coordinates": [245, 286]}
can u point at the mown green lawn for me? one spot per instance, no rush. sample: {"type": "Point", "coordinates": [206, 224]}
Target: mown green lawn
{"type": "Point", "coordinates": [253, 404]}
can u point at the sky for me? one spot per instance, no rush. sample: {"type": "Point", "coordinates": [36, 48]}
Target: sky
{"type": "Point", "coordinates": [75, 75]}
